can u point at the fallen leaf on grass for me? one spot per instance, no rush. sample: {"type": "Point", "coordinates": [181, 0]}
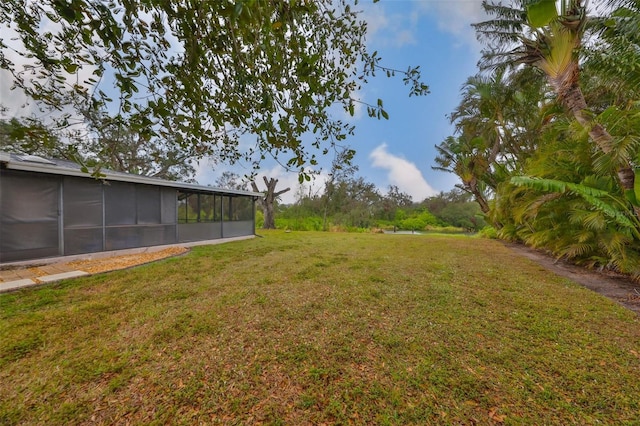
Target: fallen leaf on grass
{"type": "Point", "coordinates": [493, 415]}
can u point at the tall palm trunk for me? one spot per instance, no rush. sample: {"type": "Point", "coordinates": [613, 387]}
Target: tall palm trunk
{"type": "Point", "coordinates": [567, 88]}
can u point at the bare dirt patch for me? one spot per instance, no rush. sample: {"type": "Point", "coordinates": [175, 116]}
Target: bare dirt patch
{"type": "Point", "coordinates": [92, 266]}
{"type": "Point", "coordinates": [113, 263]}
{"type": "Point", "coordinates": [619, 288]}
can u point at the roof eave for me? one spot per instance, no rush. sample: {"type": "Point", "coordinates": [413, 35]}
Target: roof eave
{"type": "Point", "coordinates": [65, 171]}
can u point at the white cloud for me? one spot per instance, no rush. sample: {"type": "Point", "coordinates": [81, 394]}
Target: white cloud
{"type": "Point", "coordinates": [399, 29]}
{"type": "Point", "coordinates": [376, 19]}
{"type": "Point", "coordinates": [456, 17]}
{"type": "Point", "coordinates": [206, 172]}
{"type": "Point", "coordinates": [391, 29]}
{"type": "Point", "coordinates": [402, 173]}
{"type": "Point", "coordinates": [12, 100]}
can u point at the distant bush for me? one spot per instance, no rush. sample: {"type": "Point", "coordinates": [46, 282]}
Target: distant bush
{"type": "Point", "coordinates": [446, 229]}
{"type": "Point", "coordinates": [311, 223]}
{"type": "Point", "coordinates": [419, 222]}
{"type": "Point", "coordinates": [259, 219]}
{"type": "Point", "coordinates": [358, 229]}
{"type": "Point", "coordinates": [488, 232]}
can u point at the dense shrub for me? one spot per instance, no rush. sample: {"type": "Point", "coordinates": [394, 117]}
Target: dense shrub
{"type": "Point", "coordinates": [488, 232]}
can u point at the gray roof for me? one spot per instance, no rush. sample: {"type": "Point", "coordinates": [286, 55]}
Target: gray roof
{"type": "Point", "coordinates": [56, 166]}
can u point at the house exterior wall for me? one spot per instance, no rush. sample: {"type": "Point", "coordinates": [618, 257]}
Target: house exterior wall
{"type": "Point", "coordinates": [237, 229]}
{"type": "Point", "coordinates": [46, 215]}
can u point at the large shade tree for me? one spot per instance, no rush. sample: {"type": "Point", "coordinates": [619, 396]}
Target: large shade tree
{"type": "Point", "coordinates": [109, 145]}
{"type": "Point", "coordinates": [30, 136]}
{"type": "Point", "coordinates": [200, 74]}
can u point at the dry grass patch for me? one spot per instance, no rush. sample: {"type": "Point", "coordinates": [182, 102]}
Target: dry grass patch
{"type": "Point", "coordinates": [312, 328]}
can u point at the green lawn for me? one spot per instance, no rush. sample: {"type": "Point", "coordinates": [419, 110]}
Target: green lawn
{"type": "Point", "coordinates": [313, 328]}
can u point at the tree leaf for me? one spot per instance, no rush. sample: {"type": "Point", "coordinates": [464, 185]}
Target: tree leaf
{"type": "Point", "coordinates": [541, 12]}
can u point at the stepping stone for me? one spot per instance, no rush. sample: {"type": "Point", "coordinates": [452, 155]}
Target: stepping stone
{"type": "Point", "coordinates": [12, 285]}
{"type": "Point", "coordinates": [63, 276]}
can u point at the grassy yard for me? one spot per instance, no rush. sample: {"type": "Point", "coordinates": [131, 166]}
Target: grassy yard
{"type": "Point", "coordinates": [313, 328]}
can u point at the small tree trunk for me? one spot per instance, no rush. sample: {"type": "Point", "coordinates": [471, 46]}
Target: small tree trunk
{"type": "Point", "coordinates": [267, 202]}
{"type": "Point", "coordinates": [269, 216]}
{"type": "Point", "coordinates": [484, 206]}
{"type": "Point", "coordinates": [471, 186]}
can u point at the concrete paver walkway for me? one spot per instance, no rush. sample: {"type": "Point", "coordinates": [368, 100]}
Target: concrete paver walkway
{"type": "Point", "coordinates": [22, 277]}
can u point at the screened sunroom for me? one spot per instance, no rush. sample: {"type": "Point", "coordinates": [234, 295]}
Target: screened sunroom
{"type": "Point", "coordinates": [50, 208]}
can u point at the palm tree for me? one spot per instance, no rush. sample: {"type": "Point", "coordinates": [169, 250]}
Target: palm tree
{"type": "Point", "coordinates": [481, 112]}
{"type": "Point", "coordinates": [497, 124]}
{"type": "Point", "coordinates": [618, 53]}
{"type": "Point", "coordinates": [535, 33]}
{"type": "Point", "coordinates": [505, 110]}
{"type": "Point", "coordinates": [469, 160]}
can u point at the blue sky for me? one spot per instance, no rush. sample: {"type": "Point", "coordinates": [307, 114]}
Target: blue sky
{"type": "Point", "coordinates": [434, 34]}
{"type": "Point", "coordinates": [437, 36]}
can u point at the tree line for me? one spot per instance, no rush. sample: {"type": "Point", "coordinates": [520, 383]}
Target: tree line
{"type": "Point", "coordinates": [547, 137]}
{"type": "Point", "coordinates": [348, 202]}
{"type": "Point", "coordinates": [356, 205]}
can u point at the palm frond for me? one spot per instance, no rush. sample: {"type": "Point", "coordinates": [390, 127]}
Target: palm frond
{"type": "Point", "coordinates": [578, 250]}
{"type": "Point", "coordinates": [618, 210]}
{"type": "Point", "coordinates": [623, 126]}
{"type": "Point", "coordinates": [589, 219]}
{"type": "Point", "coordinates": [498, 31]}
{"type": "Point", "coordinates": [561, 47]}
